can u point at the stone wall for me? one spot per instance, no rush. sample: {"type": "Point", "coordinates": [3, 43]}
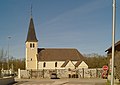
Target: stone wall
{"type": "Point", "coordinates": [61, 73]}
{"type": "Point", "coordinates": [23, 73]}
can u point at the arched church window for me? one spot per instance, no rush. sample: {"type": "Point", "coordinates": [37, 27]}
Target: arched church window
{"type": "Point", "coordinates": [33, 45]}
{"type": "Point", "coordinates": [44, 64]}
{"type": "Point", "coordinates": [30, 45]}
{"type": "Point", "coordinates": [55, 64]}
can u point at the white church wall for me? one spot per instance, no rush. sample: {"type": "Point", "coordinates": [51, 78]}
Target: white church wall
{"type": "Point", "coordinates": [74, 62]}
{"type": "Point", "coordinates": [50, 64]}
{"type": "Point", "coordinates": [82, 65]}
{"type": "Point", "coordinates": [70, 65]}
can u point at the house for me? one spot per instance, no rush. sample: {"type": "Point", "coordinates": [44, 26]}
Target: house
{"type": "Point", "coordinates": [49, 58]}
{"type": "Point", "coordinates": [116, 56]}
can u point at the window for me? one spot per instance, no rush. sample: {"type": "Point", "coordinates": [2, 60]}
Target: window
{"type": "Point", "coordinates": [44, 64]}
{"type": "Point", "coordinates": [33, 45]}
{"type": "Point", "coordinates": [55, 64]}
{"type": "Point", "coordinates": [31, 59]}
{"type": "Point", "coordinates": [30, 45]}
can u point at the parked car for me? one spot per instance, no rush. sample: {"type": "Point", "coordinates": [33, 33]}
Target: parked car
{"type": "Point", "coordinates": [54, 76]}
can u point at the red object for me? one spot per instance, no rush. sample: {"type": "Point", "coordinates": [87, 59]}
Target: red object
{"type": "Point", "coordinates": [105, 67]}
{"type": "Point", "coordinates": [104, 74]}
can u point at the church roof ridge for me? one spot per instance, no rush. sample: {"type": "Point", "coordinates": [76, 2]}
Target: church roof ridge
{"type": "Point", "coordinates": [57, 48]}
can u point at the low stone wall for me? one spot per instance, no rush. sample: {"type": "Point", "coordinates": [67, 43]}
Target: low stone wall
{"type": "Point", "coordinates": [23, 73]}
{"type": "Point", "coordinates": [61, 73]}
{"type": "Point", "coordinates": [6, 81]}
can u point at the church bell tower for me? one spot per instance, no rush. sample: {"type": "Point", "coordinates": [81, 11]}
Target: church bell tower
{"type": "Point", "coordinates": [31, 47]}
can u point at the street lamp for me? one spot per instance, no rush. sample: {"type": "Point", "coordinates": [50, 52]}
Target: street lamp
{"type": "Point", "coordinates": [8, 53]}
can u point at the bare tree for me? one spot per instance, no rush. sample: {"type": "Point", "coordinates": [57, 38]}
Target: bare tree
{"type": "Point", "coordinates": [95, 60]}
{"type": "Point", "coordinates": [3, 55]}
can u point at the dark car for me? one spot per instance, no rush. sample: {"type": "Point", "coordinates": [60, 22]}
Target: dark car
{"type": "Point", "coordinates": [54, 76]}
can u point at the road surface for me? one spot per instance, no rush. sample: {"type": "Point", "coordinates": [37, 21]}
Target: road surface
{"type": "Point", "coordinates": [60, 82]}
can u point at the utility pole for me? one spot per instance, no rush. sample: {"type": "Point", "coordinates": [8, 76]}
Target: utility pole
{"type": "Point", "coordinates": [8, 54]}
{"type": "Point", "coordinates": [113, 40]}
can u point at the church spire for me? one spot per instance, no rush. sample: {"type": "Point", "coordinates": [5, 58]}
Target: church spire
{"type": "Point", "coordinates": [31, 37]}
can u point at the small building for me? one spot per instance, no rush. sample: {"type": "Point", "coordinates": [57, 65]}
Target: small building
{"type": "Point", "coordinates": [116, 57]}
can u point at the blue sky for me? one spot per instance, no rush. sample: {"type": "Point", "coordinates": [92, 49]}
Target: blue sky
{"type": "Point", "coordinates": [82, 24]}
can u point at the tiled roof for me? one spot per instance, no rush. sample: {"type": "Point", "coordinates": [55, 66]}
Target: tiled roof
{"type": "Point", "coordinates": [31, 37]}
{"type": "Point", "coordinates": [78, 63]}
{"type": "Point", "coordinates": [65, 63]}
{"type": "Point", "coordinates": [58, 54]}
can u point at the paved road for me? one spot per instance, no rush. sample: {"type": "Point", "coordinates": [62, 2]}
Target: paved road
{"type": "Point", "coordinates": [60, 82]}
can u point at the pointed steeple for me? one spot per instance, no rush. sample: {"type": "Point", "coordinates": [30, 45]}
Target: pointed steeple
{"type": "Point", "coordinates": [31, 37]}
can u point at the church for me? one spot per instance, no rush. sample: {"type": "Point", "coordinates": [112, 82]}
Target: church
{"type": "Point", "coordinates": [50, 58]}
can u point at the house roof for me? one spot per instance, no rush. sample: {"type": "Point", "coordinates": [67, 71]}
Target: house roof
{"type": "Point", "coordinates": [81, 64]}
{"type": "Point", "coordinates": [31, 36]}
{"type": "Point", "coordinates": [58, 54]}
{"type": "Point", "coordinates": [78, 63]}
{"type": "Point", "coordinates": [65, 63]}
{"type": "Point", "coordinates": [117, 47]}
